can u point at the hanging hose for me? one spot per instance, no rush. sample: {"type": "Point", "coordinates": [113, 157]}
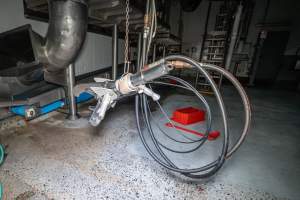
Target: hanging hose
{"type": "Point", "coordinates": [143, 113]}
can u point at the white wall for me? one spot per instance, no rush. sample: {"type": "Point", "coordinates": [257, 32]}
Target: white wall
{"type": "Point", "coordinates": [96, 53]}
{"type": "Point", "coordinates": [194, 24]}
{"type": "Point", "coordinates": [279, 11]}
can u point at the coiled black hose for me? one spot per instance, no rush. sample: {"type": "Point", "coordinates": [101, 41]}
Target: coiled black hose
{"type": "Point", "coordinates": [210, 169]}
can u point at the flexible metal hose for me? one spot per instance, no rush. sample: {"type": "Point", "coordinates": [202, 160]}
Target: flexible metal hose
{"type": "Point", "coordinates": [245, 100]}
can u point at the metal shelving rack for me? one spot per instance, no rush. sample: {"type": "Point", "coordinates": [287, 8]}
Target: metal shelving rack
{"type": "Point", "coordinates": [213, 53]}
{"type": "Point", "coordinates": [214, 49]}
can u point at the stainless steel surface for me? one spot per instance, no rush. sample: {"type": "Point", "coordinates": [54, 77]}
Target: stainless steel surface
{"type": "Point", "coordinates": [70, 76]}
{"type": "Point", "coordinates": [115, 52]}
{"type": "Point", "coordinates": [10, 86]}
{"type": "Point", "coordinates": [103, 14]}
{"type": "Point", "coordinates": [10, 103]}
{"type": "Point", "coordinates": [66, 33]}
{"type": "Point", "coordinates": [41, 96]}
{"type": "Point", "coordinates": [150, 74]}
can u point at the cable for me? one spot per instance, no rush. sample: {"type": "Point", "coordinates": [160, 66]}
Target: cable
{"type": "Point", "coordinates": [142, 107]}
{"type": "Point", "coordinates": [187, 86]}
{"type": "Point", "coordinates": [206, 170]}
{"type": "Point", "coordinates": [203, 139]}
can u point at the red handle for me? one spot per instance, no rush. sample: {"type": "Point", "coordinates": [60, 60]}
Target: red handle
{"type": "Point", "coordinates": [211, 136]}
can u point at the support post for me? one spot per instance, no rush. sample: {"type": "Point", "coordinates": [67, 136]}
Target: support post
{"type": "Point", "coordinates": [234, 37]}
{"type": "Point", "coordinates": [164, 51]}
{"type": "Point", "coordinates": [115, 52]}
{"type": "Point", "coordinates": [71, 100]}
{"type": "Point", "coordinates": [154, 53]}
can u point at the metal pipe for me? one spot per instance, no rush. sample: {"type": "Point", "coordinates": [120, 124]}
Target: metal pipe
{"type": "Point", "coordinates": [153, 71]}
{"type": "Point", "coordinates": [154, 53]}
{"type": "Point", "coordinates": [258, 47]}
{"type": "Point", "coordinates": [234, 36]}
{"type": "Point", "coordinates": [66, 33]}
{"type": "Point", "coordinates": [145, 36]}
{"type": "Point", "coordinates": [71, 100]}
{"type": "Point", "coordinates": [115, 52]}
{"type": "Point", "coordinates": [139, 49]}
{"type": "Point", "coordinates": [164, 51]}
{"type": "Point", "coordinates": [205, 29]}
{"type": "Point", "coordinates": [256, 58]}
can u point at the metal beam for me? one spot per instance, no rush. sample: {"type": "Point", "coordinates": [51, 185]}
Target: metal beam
{"type": "Point", "coordinates": [115, 52]}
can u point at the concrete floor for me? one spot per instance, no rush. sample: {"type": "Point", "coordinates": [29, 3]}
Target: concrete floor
{"type": "Point", "coordinates": [57, 159]}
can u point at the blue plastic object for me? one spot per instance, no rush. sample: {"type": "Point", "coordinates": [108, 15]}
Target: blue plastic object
{"type": "Point", "coordinates": [51, 107]}
{"type": "Point", "coordinates": [2, 154]}
{"type": "Point", "coordinates": [20, 110]}
{"type": "Point", "coordinates": [84, 97]}
{"type": "Point", "coordinates": [1, 191]}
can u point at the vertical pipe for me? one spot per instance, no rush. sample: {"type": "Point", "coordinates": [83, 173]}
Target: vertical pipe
{"type": "Point", "coordinates": [71, 100]}
{"type": "Point", "coordinates": [233, 40]}
{"type": "Point", "coordinates": [164, 51]}
{"type": "Point", "coordinates": [258, 47]}
{"type": "Point", "coordinates": [139, 50]}
{"type": "Point", "coordinates": [203, 39]}
{"type": "Point", "coordinates": [143, 60]}
{"type": "Point", "coordinates": [115, 52]}
{"type": "Point", "coordinates": [205, 29]}
{"type": "Point", "coordinates": [234, 37]}
{"type": "Point", "coordinates": [256, 58]}
{"type": "Point", "coordinates": [154, 53]}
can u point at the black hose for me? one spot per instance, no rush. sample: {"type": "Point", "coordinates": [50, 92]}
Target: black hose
{"type": "Point", "coordinates": [208, 111]}
{"type": "Point", "coordinates": [207, 170]}
{"type": "Point", "coordinates": [142, 106]}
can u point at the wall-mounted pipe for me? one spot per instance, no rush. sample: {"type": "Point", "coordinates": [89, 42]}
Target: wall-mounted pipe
{"type": "Point", "coordinates": [67, 29]}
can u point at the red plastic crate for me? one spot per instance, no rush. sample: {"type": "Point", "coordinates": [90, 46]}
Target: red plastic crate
{"type": "Point", "coordinates": [188, 115]}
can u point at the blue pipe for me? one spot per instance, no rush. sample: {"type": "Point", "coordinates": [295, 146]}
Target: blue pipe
{"type": "Point", "coordinates": [20, 110]}
{"type": "Point", "coordinates": [2, 154]}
